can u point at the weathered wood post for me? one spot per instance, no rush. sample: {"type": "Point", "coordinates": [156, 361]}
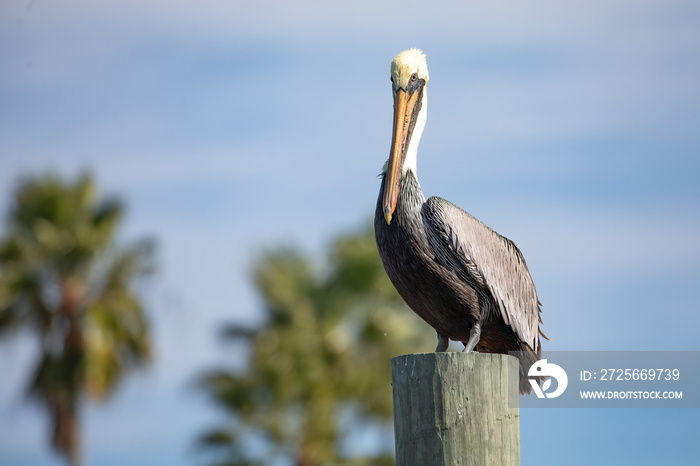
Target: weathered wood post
{"type": "Point", "coordinates": [456, 409]}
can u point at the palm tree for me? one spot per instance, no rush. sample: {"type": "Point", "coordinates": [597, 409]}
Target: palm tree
{"type": "Point", "coordinates": [62, 278]}
{"type": "Point", "coordinates": [321, 358]}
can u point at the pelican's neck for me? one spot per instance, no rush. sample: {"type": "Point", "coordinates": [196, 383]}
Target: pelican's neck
{"type": "Point", "coordinates": [410, 163]}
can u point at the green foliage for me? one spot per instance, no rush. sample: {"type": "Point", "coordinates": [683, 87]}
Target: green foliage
{"type": "Point", "coordinates": [329, 335]}
{"type": "Point", "coordinates": [62, 278]}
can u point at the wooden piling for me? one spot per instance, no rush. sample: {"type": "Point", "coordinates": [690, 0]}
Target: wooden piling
{"type": "Point", "coordinates": [456, 409]}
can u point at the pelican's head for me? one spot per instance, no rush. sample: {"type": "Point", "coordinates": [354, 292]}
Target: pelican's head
{"type": "Point", "coordinates": [409, 76]}
{"type": "Point", "coordinates": [406, 66]}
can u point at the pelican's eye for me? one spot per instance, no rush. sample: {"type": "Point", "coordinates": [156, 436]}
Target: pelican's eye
{"type": "Point", "coordinates": [414, 77]}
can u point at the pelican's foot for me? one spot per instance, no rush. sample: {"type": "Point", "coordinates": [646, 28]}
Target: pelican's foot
{"type": "Point", "coordinates": [443, 343]}
{"type": "Point", "coordinates": [474, 336]}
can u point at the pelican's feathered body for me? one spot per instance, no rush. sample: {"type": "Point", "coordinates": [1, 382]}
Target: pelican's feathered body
{"type": "Point", "coordinates": [464, 279]}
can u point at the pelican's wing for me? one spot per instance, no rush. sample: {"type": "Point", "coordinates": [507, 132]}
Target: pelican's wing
{"type": "Point", "coordinates": [481, 256]}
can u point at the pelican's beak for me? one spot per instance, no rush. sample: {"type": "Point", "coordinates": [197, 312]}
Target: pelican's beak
{"type": "Point", "coordinates": [404, 105]}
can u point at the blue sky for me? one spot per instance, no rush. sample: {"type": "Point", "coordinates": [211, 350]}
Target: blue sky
{"type": "Point", "coordinates": [231, 126]}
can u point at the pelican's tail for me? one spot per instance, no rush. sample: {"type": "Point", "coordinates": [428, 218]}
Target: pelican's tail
{"type": "Point", "coordinates": [527, 357]}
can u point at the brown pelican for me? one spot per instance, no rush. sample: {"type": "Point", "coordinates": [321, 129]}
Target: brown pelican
{"type": "Point", "coordinates": [468, 282]}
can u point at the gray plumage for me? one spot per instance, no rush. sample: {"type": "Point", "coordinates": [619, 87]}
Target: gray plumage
{"type": "Point", "coordinates": [459, 275]}
{"type": "Point", "coordinates": [486, 261]}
